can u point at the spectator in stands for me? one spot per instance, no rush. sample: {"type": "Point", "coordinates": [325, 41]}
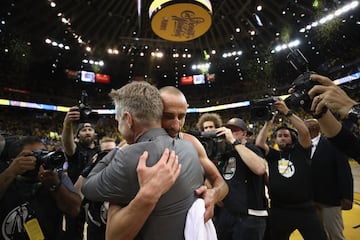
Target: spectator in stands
{"type": "Point", "coordinates": [33, 199]}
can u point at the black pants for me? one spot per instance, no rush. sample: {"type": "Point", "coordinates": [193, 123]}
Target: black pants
{"type": "Point", "coordinates": [75, 226]}
{"type": "Point", "coordinates": [283, 221]}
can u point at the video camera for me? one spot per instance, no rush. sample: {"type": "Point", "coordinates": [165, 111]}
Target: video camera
{"type": "Point", "coordinates": [302, 84]}
{"type": "Point", "coordinates": [261, 109]}
{"type": "Point", "coordinates": [214, 145]}
{"type": "Point", "coordinates": [86, 113]}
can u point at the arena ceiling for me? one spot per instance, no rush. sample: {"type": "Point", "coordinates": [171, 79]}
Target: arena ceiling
{"type": "Point", "coordinates": [40, 39]}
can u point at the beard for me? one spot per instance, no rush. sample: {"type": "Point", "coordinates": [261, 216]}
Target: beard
{"type": "Point", "coordinates": [87, 140]}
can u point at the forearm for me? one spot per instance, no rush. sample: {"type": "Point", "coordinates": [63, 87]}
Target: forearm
{"type": "Point", "coordinates": [68, 139]}
{"type": "Point", "coordinates": [6, 178]}
{"type": "Point", "coordinates": [256, 164]}
{"type": "Point", "coordinates": [219, 187]}
{"type": "Point", "coordinates": [329, 125]}
{"type": "Point", "coordinates": [67, 201]}
{"type": "Point", "coordinates": [125, 223]}
{"type": "Point", "coordinates": [262, 137]}
{"type": "Point", "coordinates": [303, 132]}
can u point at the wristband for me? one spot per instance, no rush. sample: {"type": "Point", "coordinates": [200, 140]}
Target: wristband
{"type": "Point", "coordinates": [54, 187]}
{"type": "Point", "coordinates": [289, 113]}
{"type": "Point", "coordinates": [236, 142]}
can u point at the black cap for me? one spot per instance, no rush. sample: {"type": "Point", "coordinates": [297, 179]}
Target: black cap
{"type": "Point", "coordinates": [236, 123]}
{"type": "Point", "coordinates": [83, 125]}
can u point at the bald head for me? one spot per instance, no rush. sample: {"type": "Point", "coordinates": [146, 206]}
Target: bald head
{"type": "Point", "coordinates": [175, 107]}
{"type": "Point", "coordinates": [313, 126]}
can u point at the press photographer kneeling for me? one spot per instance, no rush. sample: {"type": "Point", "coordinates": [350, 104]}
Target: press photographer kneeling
{"type": "Point", "coordinates": [34, 194]}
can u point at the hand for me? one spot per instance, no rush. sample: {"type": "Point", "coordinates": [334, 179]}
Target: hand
{"type": "Point", "coordinates": [22, 163]}
{"type": "Point", "coordinates": [329, 95]}
{"type": "Point", "coordinates": [227, 133]}
{"type": "Point", "coordinates": [160, 177]}
{"type": "Point", "coordinates": [72, 115]}
{"type": "Point", "coordinates": [208, 196]}
{"type": "Point", "coordinates": [281, 106]}
{"type": "Point", "coordinates": [48, 177]}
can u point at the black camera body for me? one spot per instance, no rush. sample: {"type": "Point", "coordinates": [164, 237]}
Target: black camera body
{"type": "Point", "coordinates": [299, 98]}
{"type": "Point", "coordinates": [261, 109]}
{"type": "Point", "coordinates": [86, 113]}
{"type": "Point", "coordinates": [215, 146]}
{"type": "Point", "coordinates": [48, 159]}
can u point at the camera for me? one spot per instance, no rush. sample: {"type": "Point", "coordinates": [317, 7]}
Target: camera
{"type": "Point", "coordinates": [261, 109]}
{"type": "Point", "coordinates": [302, 84]}
{"type": "Point", "coordinates": [48, 159]}
{"type": "Point", "coordinates": [215, 146]}
{"type": "Point", "coordinates": [86, 113]}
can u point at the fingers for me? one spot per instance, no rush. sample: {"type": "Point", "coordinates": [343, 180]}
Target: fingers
{"type": "Point", "coordinates": [201, 190]}
{"type": "Point", "coordinates": [142, 159]}
{"type": "Point", "coordinates": [316, 90]}
{"type": "Point", "coordinates": [321, 79]}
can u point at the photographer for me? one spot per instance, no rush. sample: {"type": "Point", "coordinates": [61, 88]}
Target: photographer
{"type": "Point", "coordinates": [328, 95]}
{"type": "Point", "coordinates": [33, 199]}
{"type": "Point", "coordinates": [97, 210]}
{"type": "Point", "coordinates": [79, 154]}
{"type": "Point", "coordinates": [244, 211]}
{"type": "Point", "coordinates": [290, 186]}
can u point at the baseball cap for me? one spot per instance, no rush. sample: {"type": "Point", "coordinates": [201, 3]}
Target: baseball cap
{"type": "Point", "coordinates": [83, 125]}
{"type": "Point", "coordinates": [236, 123]}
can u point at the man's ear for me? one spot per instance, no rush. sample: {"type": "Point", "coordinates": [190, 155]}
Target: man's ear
{"type": "Point", "coordinates": [129, 119]}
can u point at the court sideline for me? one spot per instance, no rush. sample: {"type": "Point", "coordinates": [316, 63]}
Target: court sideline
{"type": "Point", "coordinates": [351, 217]}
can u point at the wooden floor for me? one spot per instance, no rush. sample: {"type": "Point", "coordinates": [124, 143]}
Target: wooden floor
{"type": "Point", "coordinates": [351, 217]}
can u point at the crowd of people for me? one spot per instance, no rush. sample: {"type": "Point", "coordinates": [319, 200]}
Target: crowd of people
{"type": "Point", "coordinates": [147, 177]}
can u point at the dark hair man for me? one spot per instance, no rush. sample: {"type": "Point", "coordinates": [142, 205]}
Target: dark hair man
{"type": "Point", "coordinates": [33, 199]}
{"type": "Point", "coordinates": [139, 109]}
{"type": "Point", "coordinates": [290, 185]}
{"type": "Point", "coordinates": [79, 154]}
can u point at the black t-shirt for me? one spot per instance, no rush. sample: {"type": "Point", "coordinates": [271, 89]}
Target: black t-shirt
{"type": "Point", "coordinates": [24, 199]}
{"type": "Point", "coordinates": [81, 158]}
{"type": "Point", "coordinates": [246, 189]}
{"type": "Point", "coordinates": [289, 176]}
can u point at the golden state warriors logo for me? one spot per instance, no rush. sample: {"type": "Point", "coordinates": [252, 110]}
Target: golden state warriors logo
{"type": "Point", "coordinates": [13, 224]}
{"type": "Point", "coordinates": [179, 22]}
{"type": "Point", "coordinates": [286, 168]}
{"type": "Point", "coordinates": [229, 168]}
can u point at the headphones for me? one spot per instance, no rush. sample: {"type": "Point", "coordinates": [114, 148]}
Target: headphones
{"type": "Point", "coordinates": [293, 133]}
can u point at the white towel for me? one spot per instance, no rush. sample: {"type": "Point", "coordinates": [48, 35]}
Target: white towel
{"type": "Point", "coordinates": [195, 228]}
